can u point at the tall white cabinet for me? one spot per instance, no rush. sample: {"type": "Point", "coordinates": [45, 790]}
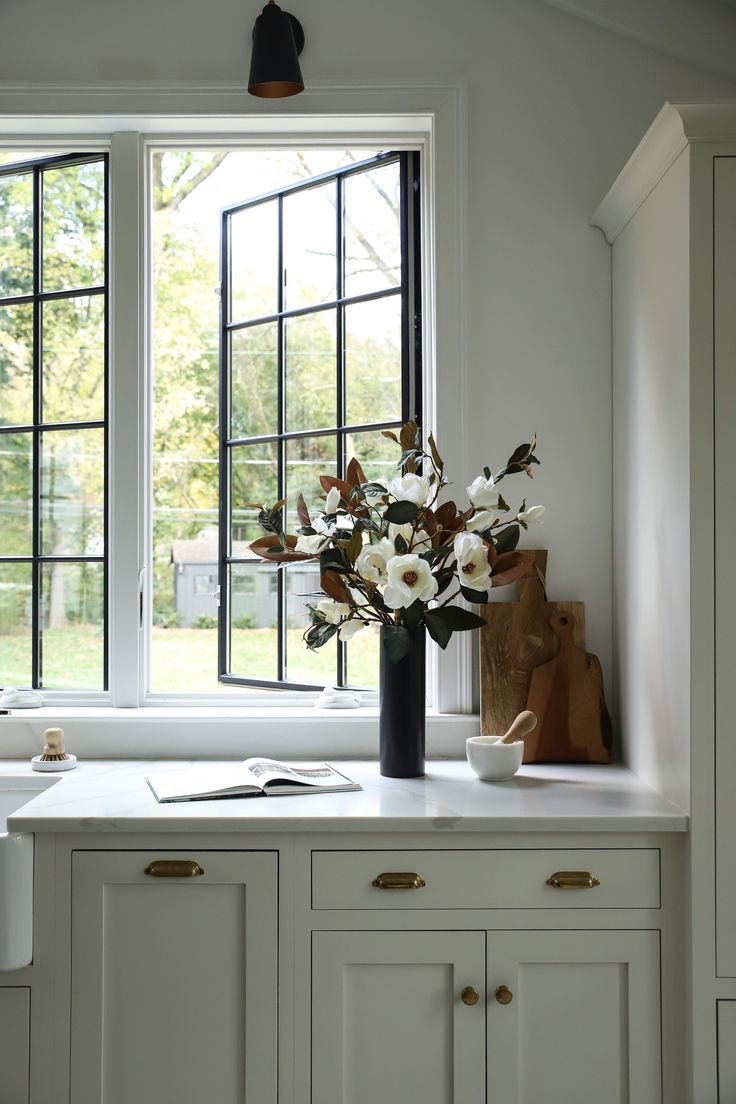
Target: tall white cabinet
{"type": "Point", "coordinates": [671, 220]}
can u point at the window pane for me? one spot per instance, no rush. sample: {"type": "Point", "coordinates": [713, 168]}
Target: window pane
{"type": "Point", "coordinates": [254, 381]}
{"type": "Point", "coordinates": [310, 265]}
{"type": "Point", "coordinates": [254, 257]}
{"type": "Point", "coordinates": [16, 235]}
{"type": "Point", "coordinates": [73, 351]}
{"type": "Point", "coordinates": [72, 492]}
{"type": "Point", "coordinates": [74, 227]}
{"type": "Point", "coordinates": [362, 659]}
{"type": "Point", "coordinates": [320, 667]}
{"type": "Point", "coordinates": [373, 361]}
{"type": "Point", "coordinates": [16, 494]}
{"type": "Point", "coordinates": [377, 455]}
{"type": "Point", "coordinates": [372, 231]}
{"type": "Point", "coordinates": [254, 620]}
{"type": "Point", "coordinates": [254, 475]}
{"type": "Point", "coordinates": [307, 458]}
{"type": "Point", "coordinates": [16, 365]}
{"type": "Point", "coordinates": [15, 624]}
{"type": "Point", "coordinates": [311, 371]}
{"type": "Point", "coordinates": [72, 618]}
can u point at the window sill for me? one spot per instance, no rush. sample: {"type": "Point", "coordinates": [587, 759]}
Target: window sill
{"type": "Point", "coordinates": [226, 732]}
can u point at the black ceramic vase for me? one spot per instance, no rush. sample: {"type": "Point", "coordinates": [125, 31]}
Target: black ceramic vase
{"type": "Point", "coordinates": [402, 710]}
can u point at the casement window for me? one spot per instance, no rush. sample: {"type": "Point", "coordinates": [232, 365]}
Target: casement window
{"type": "Point", "coordinates": [320, 353]}
{"type": "Point", "coordinates": [279, 334]}
{"type": "Point", "coordinates": [53, 422]}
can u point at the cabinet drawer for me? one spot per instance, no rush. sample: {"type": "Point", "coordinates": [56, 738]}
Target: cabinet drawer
{"type": "Point", "coordinates": [485, 879]}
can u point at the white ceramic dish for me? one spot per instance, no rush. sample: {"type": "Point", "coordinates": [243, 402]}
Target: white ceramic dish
{"type": "Point", "coordinates": [491, 760]}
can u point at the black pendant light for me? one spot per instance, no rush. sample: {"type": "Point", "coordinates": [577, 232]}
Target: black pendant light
{"type": "Point", "coordinates": [278, 39]}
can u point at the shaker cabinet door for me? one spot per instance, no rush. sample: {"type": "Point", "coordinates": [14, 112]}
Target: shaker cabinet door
{"type": "Point", "coordinates": [578, 1019]}
{"type": "Point", "coordinates": [389, 1022]}
{"type": "Point", "coordinates": [15, 1009]}
{"type": "Point", "coordinates": [174, 978]}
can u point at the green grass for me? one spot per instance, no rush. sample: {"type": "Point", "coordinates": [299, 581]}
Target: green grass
{"type": "Point", "coordinates": [183, 660]}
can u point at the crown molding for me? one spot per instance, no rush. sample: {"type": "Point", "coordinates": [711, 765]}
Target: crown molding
{"type": "Point", "coordinates": [675, 127]}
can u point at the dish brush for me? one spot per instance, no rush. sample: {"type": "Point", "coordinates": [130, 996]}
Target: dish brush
{"type": "Point", "coordinates": [53, 757]}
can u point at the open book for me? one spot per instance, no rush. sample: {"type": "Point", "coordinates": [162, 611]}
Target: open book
{"type": "Point", "coordinates": [252, 778]}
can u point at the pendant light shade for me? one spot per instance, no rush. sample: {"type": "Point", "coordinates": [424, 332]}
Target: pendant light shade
{"type": "Point", "coordinates": [278, 39]}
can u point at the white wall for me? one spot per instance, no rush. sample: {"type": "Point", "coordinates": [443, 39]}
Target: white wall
{"type": "Point", "coordinates": [555, 107]}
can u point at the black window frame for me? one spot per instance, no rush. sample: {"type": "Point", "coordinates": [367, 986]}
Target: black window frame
{"type": "Point", "coordinates": [38, 166]}
{"type": "Point", "coordinates": [410, 293]}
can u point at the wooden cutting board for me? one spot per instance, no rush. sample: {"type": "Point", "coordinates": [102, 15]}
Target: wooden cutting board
{"type": "Point", "coordinates": [566, 693]}
{"type": "Point", "coordinates": [516, 638]}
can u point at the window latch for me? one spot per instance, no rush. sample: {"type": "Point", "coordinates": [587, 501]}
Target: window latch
{"type": "Point", "coordinates": [141, 578]}
{"type": "Point", "coordinates": [216, 595]}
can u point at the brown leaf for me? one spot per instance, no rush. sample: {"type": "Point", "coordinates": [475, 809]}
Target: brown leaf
{"type": "Point", "coordinates": [302, 511]}
{"type": "Point", "coordinates": [430, 521]}
{"type": "Point", "coordinates": [492, 554]}
{"type": "Point", "coordinates": [353, 547]}
{"type": "Point", "coordinates": [511, 566]}
{"type": "Point", "coordinates": [330, 481]}
{"type": "Point", "coordinates": [408, 435]}
{"type": "Point", "coordinates": [333, 585]}
{"type": "Point", "coordinates": [355, 473]}
{"type": "Point", "coordinates": [262, 545]}
{"type": "Point", "coordinates": [438, 461]}
{"type": "Point", "coordinates": [390, 436]}
{"type": "Point", "coordinates": [446, 514]}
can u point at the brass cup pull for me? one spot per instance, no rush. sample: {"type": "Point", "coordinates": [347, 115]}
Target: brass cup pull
{"type": "Point", "coordinates": [573, 879]}
{"type": "Point", "coordinates": [469, 995]}
{"type": "Point", "coordinates": [504, 995]}
{"type": "Point", "coordinates": [398, 879]}
{"type": "Point", "coordinates": [174, 868]}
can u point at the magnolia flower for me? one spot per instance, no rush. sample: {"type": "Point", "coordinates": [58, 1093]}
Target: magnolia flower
{"type": "Point", "coordinates": [332, 501]}
{"type": "Point", "coordinates": [409, 578]}
{"type": "Point", "coordinates": [418, 541]}
{"type": "Point", "coordinates": [531, 516]}
{"type": "Point", "coordinates": [357, 596]}
{"type": "Point", "coordinates": [351, 628]}
{"type": "Point", "coordinates": [372, 558]}
{"type": "Point", "coordinates": [410, 488]}
{"type": "Point", "coordinates": [473, 569]}
{"type": "Point", "coordinates": [481, 492]}
{"type": "Point", "coordinates": [484, 519]}
{"type": "Point", "coordinates": [313, 545]}
{"type": "Point", "coordinates": [333, 612]}
{"type": "Point", "coordinates": [322, 526]}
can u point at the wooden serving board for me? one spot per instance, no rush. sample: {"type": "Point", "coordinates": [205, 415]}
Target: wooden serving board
{"type": "Point", "coordinates": [517, 637]}
{"type": "Point", "coordinates": [566, 693]}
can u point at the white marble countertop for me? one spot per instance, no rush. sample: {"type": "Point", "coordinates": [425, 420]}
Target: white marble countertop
{"type": "Point", "coordinates": [107, 796]}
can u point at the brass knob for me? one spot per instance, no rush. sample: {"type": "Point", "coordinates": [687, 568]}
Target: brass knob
{"type": "Point", "coordinates": [504, 995]}
{"type": "Point", "coordinates": [469, 995]}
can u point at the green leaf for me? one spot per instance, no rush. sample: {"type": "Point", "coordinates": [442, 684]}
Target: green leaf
{"type": "Point", "coordinates": [354, 545]}
{"type": "Point", "coordinates": [401, 512]}
{"type": "Point", "coordinates": [318, 634]}
{"type": "Point", "coordinates": [453, 619]}
{"type": "Point", "coordinates": [487, 472]}
{"type": "Point", "coordinates": [437, 628]}
{"type": "Point", "coordinates": [507, 539]}
{"type": "Point", "coordinates": [469, 595]}
{"type": "Point", "coordinates": [397, 641]}
{"type": "Point", "coordinates": [331, 559]}
{"type": "Point", "coordinates": [412, 615]}
{"type": "Point", "coordinates": [520, 453]}
{"type": "Point", "coordinates": [400, 545]}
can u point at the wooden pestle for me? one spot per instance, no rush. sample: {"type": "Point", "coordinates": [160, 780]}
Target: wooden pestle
{"type": "Point", "coordinates": [524, 723]}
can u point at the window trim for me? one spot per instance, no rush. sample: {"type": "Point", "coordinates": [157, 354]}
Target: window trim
{"type": "Point", "coordinates": [138, 117]}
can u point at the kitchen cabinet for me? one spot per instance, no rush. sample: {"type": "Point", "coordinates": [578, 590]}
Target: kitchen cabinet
{"type": "Point", "coordinates": [174, 977]}
{"type": "Point", "coordinates": [15, 1007]}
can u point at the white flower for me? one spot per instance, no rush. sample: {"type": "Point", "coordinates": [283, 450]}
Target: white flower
{"type": "Point", "coordinates": [332, 501]}
{"type": "Point", "coordinates": [313, 545]}
{"type": "Point", "coordinates": [410, 488]}
{"type": "Point", "coordinates": [481, 492]}
{"type": "Point", "coordinates": [473, 569]}
{"type": "Point", "coordinates": [333, 612]}
{"type": "Point", "coordinates": [358, 597]}
{"type": "Point", "coordinates": [372, 497]}
{"type": "Point", "coordinates": [409, 578]}
{"type": "Point", "coordinates": [480, 521]}
{"type": "Point", "coordinates": [532, 516]}
{"type": "Point", "coordinates": [415, 542]}
{"type": "Point", "coordinates": [322, 526]}
{"type": "Point", "coordinates": [351, 628]}
{"type": "Point", "coordinates": [372, 558]}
